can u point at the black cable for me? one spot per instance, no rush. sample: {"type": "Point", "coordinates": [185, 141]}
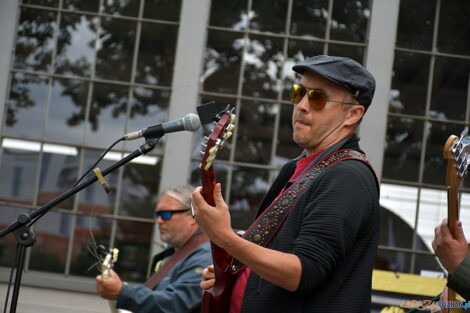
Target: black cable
{"type": "Point", "coordinates": [99, 159]}
{"type": "Point", "coordinates": [83, 176]}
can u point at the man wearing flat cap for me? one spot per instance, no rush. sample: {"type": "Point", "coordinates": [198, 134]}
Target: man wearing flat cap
{"type": "Point", "coordinates": [312, 245]}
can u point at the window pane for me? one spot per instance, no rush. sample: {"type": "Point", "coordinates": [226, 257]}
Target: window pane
{"type": "Point", "coordinates": [248, 188]}
{"type": "Point", "coordinates": [58, 174]}
{"type": "Point", "coordinates": [432, 210]}
{"type": "Point", "coordinates": [35, 39]}
{"type": "Point", "coordinates": [451, 82]}
{"type": "Point", "coordinates": [264, 62]}
{"type": "Point", "coordinates": [121, 7]}
{"type": "Point", "coordinates": [19, 171]}
{"type": "Point", "coordinates": [75, 45]}
{"type": "Point", "coordinates": [298, 50]}
{"type": "Point", "coordinates": [133, 241]}
{"type": "Point", "coordinates": [309, 19]}
{"type": "Point", "coordinates": [49, 3]}
{"type": "Point", "coordinates": [148, 107]}
{"type": "Point", "coordinates": [231, 14]}
{"type": "Point", "coordinates": [223, 57]}
{"type": "Point", "coordinates": [106, 122]}
{"type": "Point", "coordinates": [409, 83]}
{"type": "Point", "coordinates": [8, 243]}
{"type": "Point", "coordinates": [350, 20]}
{"type": "Point", "coordinates": [398, 215]}
{"type": "Point", "coordinates": [66, 114]}
{"type": "Point", "coordinates": [255, 132]}
{"type": "Point", "coordinates": [269, 16]}
{"type": "Point", "coordinates": [416, 24]}
{"type": "Point", "coordinates": [116, 48]}
{"type": "Point", "coordinates": [435, 163]}
{"type": "Point", "coordinates": [139, 189]}
{"type": "Point", "coordinates": [93, 199]}
{"type": "Point", "coordinates": [354, 52]}
{"type": "Point", "coordinates": [26, 107]}
{"type": "Point", "coordinates": [87, 5]}
{"type": "Point", "coordinates": [157, 52]}
{"type": "Point", "coordinates": [162, 9]}
{"type": "Point", "coordinates": [286, 148]}
{"type": "Point", "coordinates": [49, 253]}
{"type": "Point", "coordinates": [85, 245]}
{"type": "Point", "coordinates": [402, 148]}
{"type": "Point", "coordinates": [453, 27]}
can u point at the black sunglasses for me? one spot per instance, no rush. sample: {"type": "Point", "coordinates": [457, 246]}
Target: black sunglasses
{"type": "Point", "coordinates": [166, 215]}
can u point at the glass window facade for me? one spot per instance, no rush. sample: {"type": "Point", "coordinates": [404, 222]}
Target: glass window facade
{"type": "Point", "coordinates": [86, 72]}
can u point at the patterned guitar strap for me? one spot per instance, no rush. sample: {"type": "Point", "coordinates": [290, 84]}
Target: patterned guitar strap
{"type": "Point", "coordinates": [269, 222]}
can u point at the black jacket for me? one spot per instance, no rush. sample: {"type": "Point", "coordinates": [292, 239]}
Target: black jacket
{"type": "Point", "coordinates": [333, 229]}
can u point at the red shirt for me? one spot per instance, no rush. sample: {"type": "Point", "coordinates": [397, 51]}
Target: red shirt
{"type": "Point", "coordinates": [242, 279]}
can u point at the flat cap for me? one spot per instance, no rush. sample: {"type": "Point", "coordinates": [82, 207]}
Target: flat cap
{"type": "Point", "coordinates": [344, 72]}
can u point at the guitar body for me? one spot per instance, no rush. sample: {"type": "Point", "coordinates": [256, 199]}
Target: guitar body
{"type": "Point", "coordinates": [216, 300]}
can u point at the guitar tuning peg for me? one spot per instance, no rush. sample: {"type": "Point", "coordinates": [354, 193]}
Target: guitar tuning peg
{"type": "Point", "coordinates": [204, 144]}
{"type": "Point", "coordinates": [231, 127]}
{"type": "Point", "coordinates": [233, 117]}
{"type": "Point", "coordinates": [213, 150]}
{"type": "Point", "coordinates": [227, 135]}
{"type": "Point", "coordinates": [202, 152]}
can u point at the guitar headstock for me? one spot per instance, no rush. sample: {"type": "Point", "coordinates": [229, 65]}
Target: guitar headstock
{"type": "Point", "coordinates": [108, 257]}
{"type": "Point", "coordinates": [457, 152]}
{"type": "Point", "coordinates": [221, 133]}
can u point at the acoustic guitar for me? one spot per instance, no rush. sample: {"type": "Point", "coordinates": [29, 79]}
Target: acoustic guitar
{"type": "Point", "coordinates": [216, 300]}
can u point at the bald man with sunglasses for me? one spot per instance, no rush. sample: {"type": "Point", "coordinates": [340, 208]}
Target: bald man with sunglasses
{"type": "Point", "coordinates": [174, 285]}
{"type": "Point", "coordinates": [313, 243]}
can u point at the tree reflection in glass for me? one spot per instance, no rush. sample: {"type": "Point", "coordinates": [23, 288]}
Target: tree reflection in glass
{"type": "Point", "coordinates": [349, 21]}
{"type": "Point", "coordinates": [269, 16]}
{"type": "Point", "coordinates": [35, 40]}
{"type": "Point", "coordinates": [255, 132]}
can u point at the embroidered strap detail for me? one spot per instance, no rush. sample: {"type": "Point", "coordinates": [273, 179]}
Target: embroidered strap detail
{"type": "Point", "coordinates": [268, 223]}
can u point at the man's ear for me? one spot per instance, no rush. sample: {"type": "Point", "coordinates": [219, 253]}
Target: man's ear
{"type": "Point", "coordinates": [354, 115]}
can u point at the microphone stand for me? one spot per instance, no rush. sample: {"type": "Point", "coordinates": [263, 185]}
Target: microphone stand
{"type": "Point", "coordinates": [26, 238]}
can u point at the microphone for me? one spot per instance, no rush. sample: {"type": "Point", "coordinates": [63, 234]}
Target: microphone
{"type": "Point", "coordinates": [189, 122]}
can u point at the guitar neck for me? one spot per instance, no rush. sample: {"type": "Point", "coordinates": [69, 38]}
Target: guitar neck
{"type": "Point", "coordinates": [208, 184]}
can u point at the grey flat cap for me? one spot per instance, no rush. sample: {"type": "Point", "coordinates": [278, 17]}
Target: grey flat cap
{"type": "Point", "coordinates": [344, 72]}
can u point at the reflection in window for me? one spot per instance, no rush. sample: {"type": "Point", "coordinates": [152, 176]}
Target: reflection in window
{"type": "Point", "coordinates": [402, 148]}
{"type": "Point", "coordinates": [116, 47]}
{"type": "Point", "coordinates": [52, 236]}
{"type": "Point", "coordinates": [18, 179]}
{"type": "Point", "coordinates": [453, 27]}
{"type": "Point", "coordinates": [27, 106]}
{"type": "Point", "coordinates": [223, 56]}
{"type": "Point", "coordinates": [248, 188]}
{"type": "Point", "coordinates": [255, 131]}
{"type": "Point", "coordinates": [157, 52]}
{"type": "Point", "coordinates": [133, 241]}
{"type": "Point", "coordinates": [66, 113]}
{"type": "Point", "coordinates": [121, 7]}
{"type": "Point", "coordinates": [264, 63]}
{"type": "Point", "coordinates": [168, 10]}
{"type": "Point", "coordinates": [350, 20]}
{"type": "Point", "coordinates": [269, 16]}
{"type": "Point", "coordinates": [409, 83]}
{"type": "Point", "coordinates": [107, 117]}
{"type": "Point", "coordinates": [309, 18]}
{"type": "Point", "coordinates": [416, 24]}
{"type": "Point", "coordinates": [75, 45]}
{"type": "Point", "coordinates": [139, 190]}
{"type": "Point", "coordinates": [35, 41]}
{"type": "Point", "coordinates": [231, 14]}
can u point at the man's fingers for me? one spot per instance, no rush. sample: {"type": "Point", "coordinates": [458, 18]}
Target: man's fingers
{"type": "Point", "coordinates": [207, 284]}
{"type": "Point", "coordinates": [458, 231]}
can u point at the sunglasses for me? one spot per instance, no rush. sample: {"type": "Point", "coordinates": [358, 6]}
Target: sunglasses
{"type": "Point", "coordinates": [166, 215]}
{"type": "Point", "coordinates": [317, 98]}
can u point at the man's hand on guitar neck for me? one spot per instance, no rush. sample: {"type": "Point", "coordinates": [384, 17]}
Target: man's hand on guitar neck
{"type": "Point", "coordinates": [109, 288]}
{"type": "Point", "coordinates": [208, 278]}
{"type": "Point", "coordinates": [451, 252]}
{"type": "Point", "coordinates": [214, 221]}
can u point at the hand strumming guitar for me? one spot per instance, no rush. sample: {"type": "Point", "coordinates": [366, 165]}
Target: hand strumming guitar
{"type": "Point", "coordinates": [109, 288]}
